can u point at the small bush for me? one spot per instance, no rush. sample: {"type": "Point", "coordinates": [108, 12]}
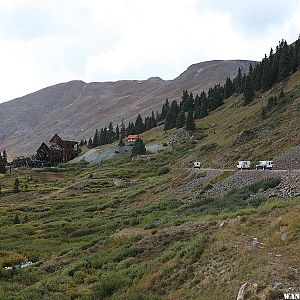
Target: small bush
{"type": "Point", "coordinates": [163, 170]}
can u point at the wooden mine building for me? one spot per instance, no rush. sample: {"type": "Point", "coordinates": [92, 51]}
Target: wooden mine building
{"type": "Point", "coordinates": [50, 154]}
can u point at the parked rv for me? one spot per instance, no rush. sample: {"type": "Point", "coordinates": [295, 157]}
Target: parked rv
{"type": "Point", "coordinates": [197, 164]}
{"type": "Point", "coordinates": [244, 165]}
{"type": "Point", "coordinates": [265, 165]}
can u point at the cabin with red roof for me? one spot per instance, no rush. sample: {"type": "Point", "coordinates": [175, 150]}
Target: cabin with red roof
{"type": "Point", "coordinates": [131, 138]}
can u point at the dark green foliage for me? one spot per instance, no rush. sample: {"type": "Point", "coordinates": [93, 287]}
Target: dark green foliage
{"type": "Point", "coordinates": [123, 131]}
{"type": "Point", "coordinates": [273, 104]}
{"type": "Point", "coordinates": [163, 170]}
{"type": "Point", "coordinates": [138, 147]}
{"type": "Point", "coordinates": [108, 284]}
{"type": "Point", "coordinates": [171, 118]}
{"type": "Point", "coordinates": [3, 162]}
{"type": "Point", "coordinates": [16, 220]}
{"type": "Point", "coordinates": [190, 123]}
{"type": "Point", "coordinates": [139, 125]}
{"type": "Point", "coordinates": [235, 199]}
{"type": "Point", "coordinates": [180, 121]}
{"type": "Point", "coordinates": [16, 186]}
{"type": "Point", "coordinates": [248, 90]}
{"type": "Point", "coordinates": [90, 143]}
{"type": "Point", "coordinates": [96, 142]}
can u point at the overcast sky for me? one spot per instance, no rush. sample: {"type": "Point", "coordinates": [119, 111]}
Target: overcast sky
{"type": "Point", "coordinates": [44, 42]}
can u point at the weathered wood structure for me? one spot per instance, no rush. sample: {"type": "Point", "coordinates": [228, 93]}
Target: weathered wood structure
{"type": "Point", "coordinates": [49, 154]}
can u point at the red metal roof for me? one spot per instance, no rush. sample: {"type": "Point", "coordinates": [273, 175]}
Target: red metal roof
{"type": "Point", "coordinates": [132, 136]}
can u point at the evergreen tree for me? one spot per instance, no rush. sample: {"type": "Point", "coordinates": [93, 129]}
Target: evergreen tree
{"type": "Point", "coordinates": [16, 220]}
{"type": "Point", "coordinates": [96, 139]}
{"type": "Point", "coordinates": [284, 63]}
{"type": "Point", "coordinates": [117, 132]}
{"type": "Point", "coordinates": [238, 81]}
{"type": "Point", "coordinates": [171, 118]}
{"type": "Point", "coordinates": [164, 111]}
{"type": "Point", "coordinates": [123, 130]}
{"type": "Point", "coordinates": [26, 219]}
{"type": "Point", "coordinates": [248, 91]}
{"type": "Point", "coordinates": [138, 147]}
{"type": "Point", "coordinates": [90, 143]}
{"type": "Point", "coordinates": [16, 186]}
{"type": "Point", "coordinates": [190, 124]}
{"type": "Point", "coordinates": [111, 135]}
{"type": "Point", "coordinates": [139, 125]}
{"type": "Point", "coordinates": [2, 164]}
{"type": "Point", "coordinates": [4, 156]}
{"type": "Point", "coordinates": [180, 121]}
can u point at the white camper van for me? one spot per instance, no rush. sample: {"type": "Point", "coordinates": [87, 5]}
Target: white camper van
{"type": "Point", "coordinates": [244, 165]}
{"type": "Point", "coordinates": [197, 164]}
{"type": "Point", "coordinates": [265, 165]}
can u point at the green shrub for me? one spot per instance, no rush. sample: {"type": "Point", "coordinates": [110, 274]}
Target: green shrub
{"type": "Point", "coordinates": [108, 284]}
{"type": "Point", "coordinates": [163, 170]}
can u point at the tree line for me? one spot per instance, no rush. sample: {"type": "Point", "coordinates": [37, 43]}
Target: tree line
{"type": "Point", "coordinates": [260, 77]}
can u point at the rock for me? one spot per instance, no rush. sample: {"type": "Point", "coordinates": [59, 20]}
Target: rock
{"type": "Point", "coordinates": [141, 158]}
{"type": "Point", "coordinates": [255, 241]}
{"type": "Point", "coordinates": [120, 183]}
{"type": "Point", "coordinates": [284, 236]}
{"type": "Point", "coordinates": [276, 285]}
{"type": "Point", "coordinates": [193, 140]}
{"type": "Point", "coordinates": [289, 160]}
{"type": "Point", "coordinates": [179, 135]}
{"type": "Point", "coordinates": [246, 291]}
{"type": "Point", "coordinates": [244, 137]}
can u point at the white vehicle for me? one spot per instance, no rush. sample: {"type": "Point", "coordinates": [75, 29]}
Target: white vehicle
{"type": "Point", "coordinates": [244, 165]}
{"type": "Point", "coordinates": [197, 164]}
{"type": "Point", "coordinates": [265, 165]}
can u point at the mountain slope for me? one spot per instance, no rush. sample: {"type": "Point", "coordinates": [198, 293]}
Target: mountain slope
{"type": "Point", "coordinates": [131, 230]}
{"type": "Point", "coordinates": [75, 109]}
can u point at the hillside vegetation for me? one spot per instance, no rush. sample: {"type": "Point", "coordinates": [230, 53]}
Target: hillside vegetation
{"type": "Point", "coordinates": [128, 230]}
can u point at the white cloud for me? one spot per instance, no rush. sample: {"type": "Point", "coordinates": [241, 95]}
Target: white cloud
{"type": "Point", "coordinates": [46, 42]}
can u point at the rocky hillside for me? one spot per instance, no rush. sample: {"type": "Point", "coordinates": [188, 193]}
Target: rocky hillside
{"type": "Point", "coordinates": [75, 109]}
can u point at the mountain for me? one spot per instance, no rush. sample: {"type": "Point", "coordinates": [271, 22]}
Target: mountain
{"type": "Point", "coordinates": [156, 228]}
{"type": "Point", "coordinates": [76, 109]}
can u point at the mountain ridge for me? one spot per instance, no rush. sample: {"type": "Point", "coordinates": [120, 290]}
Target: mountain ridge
{"type": "Point", "coordinates": [75, 109]}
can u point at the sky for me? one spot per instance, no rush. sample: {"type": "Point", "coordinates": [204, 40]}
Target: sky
{"type": "Point", "coordinates": [47, 42]}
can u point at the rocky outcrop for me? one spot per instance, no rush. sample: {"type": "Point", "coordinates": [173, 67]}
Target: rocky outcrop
{"type": "Point", "coordinates": [289, 160]}
{"type": "Point", "coordinates": [245, 137]}
{"type": "Point", "coordinates": [179, 135]}
{"type": "Point", "coordinates": [288, 187]}
{"type": "Point", "coordinates": [247, 291]}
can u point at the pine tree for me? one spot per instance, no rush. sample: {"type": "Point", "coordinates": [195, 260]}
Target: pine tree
{"type": "Point", "coordinates": [171, 118]}
{"type": "Point", "coordinates": [16, 220]}
{"type": "Point", "coordinates": [111, 135]}
{"type": "Point", "coordinates": [4, 156]}
{"type": "Point", "coordinates": [180, 121]}
{"type": "Point", "coordinates": [117, 132]}
{"type": "Point", "coordinates": [138, 147]}
{"type": "Point", "coordinates": [284, 63]}
{"type": "Point", "coordinates": [190, 124]}
{"type": "Point", "coordinates": [248, 90]}
{"type": "Point", "coordinates": [123, 130]}
{"type": "Point", "coordinates": [16, 186]}
{"type": "Point", "coordinates": [96, 139]}
{"type": "Point", "coordinates": [90, 143]}
{"type": "Point", "coordinates": [2, 164]}
{"type": "Point", "coordinates": [139, 125]}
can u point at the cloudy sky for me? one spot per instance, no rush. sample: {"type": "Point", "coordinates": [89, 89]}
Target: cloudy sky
{"type": "Point", "coordinates": [51, 41]}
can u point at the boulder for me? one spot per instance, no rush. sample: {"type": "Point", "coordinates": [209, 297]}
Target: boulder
{"type": "Point", "coordinates": [247, 291]}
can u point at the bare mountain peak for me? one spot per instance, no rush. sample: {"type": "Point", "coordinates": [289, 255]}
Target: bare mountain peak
{"type": "Point", "coordinates": [75, 109]}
